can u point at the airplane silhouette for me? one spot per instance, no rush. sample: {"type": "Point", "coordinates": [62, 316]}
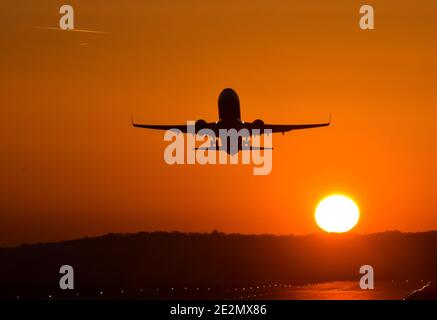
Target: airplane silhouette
{"type": "Point", "coordinates": [230, 118]}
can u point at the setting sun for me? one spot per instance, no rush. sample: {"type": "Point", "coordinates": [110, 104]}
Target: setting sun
{"type": "Point", "coordinates": [337, 213]}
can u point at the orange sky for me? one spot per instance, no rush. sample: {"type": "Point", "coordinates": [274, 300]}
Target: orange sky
{"type": "Point", "coordinates": [72, 165]}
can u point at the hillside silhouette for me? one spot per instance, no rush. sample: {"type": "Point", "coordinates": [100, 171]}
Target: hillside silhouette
{"type": "Point", "coordinates": [215, 260]}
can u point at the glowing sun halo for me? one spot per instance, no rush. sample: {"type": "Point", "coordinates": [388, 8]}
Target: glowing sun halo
{"type": "Point", "coordinates": [337, 213]}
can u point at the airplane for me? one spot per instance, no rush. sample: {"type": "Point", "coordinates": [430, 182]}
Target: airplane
{"type": "Point", "coordinates": [230, 118]}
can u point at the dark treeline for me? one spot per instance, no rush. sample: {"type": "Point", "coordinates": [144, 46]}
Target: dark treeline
{"type": "Point", "coordinates": [217, 259]}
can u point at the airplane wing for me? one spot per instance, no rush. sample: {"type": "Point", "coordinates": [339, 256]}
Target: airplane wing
{"type": "Point", "coordinates": [286, 127]}
{"type": "Point", "coordinates": [248, 125]}
{"type": "Point", "coordinates": [182, 127]}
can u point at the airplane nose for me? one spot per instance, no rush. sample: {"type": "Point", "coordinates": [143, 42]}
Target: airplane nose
{"type": "Point", "coordinates": [229, 105]}
{"type": "Point", "coordinates": [228, 91]}
{"type": "Point", "coordinates": [228, 97]}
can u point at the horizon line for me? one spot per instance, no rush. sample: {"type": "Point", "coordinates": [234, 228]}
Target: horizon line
{"type": "Point", "coordinates": [214, 231]}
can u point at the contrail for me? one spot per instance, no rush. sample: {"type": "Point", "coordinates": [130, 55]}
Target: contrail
{"type": "Point", "coordinates": [73, 30]}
